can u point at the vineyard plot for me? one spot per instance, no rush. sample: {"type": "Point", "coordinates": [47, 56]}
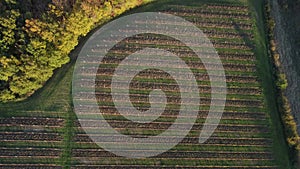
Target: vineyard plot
{"type": "Point", "coordinates": [49, 136]}
{"type": "Point", "coordinates": [242, 139]}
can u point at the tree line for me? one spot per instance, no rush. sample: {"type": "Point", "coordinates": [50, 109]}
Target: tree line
{"type": "Point", "coordinates": [36, 38]}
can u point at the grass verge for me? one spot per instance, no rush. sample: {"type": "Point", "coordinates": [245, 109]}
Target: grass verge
{"type": "Point", "coordinates": [264, 65]}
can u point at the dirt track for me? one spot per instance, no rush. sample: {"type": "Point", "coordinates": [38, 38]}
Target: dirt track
{"type": "Point", "coordinates": [290, 55]}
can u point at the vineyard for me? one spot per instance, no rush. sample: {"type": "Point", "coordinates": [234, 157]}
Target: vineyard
{"type": "Point", "coordinates": [42, 131]}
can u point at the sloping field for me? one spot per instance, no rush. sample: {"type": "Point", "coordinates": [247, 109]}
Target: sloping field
{"type": "Point", "coordinates": [43, 131]}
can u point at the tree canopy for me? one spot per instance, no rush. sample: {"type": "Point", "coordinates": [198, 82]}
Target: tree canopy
{"type": "Point", "coordinates": [36, 38]}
